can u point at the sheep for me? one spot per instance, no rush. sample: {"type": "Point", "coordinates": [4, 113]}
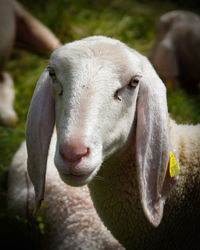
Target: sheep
{"type": "Point", "coordinates": [175, 52]}
{"type": "Point", "coordinates": [7, 94]}
{"type": "Point", "coordinates": [114, 134]}
{"type": "Point", "coordinates": [18, 27]}
{"type": "Point", "coordinates": [69, 213]}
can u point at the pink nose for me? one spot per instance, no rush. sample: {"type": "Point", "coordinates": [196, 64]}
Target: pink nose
{"type": "Point", "coordinates": [73, 151]}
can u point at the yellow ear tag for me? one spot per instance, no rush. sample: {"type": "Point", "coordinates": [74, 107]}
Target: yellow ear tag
{"type": "Point", "coordinates": [173, 165]}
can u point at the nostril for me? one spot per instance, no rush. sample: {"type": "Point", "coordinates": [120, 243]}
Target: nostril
{"type": "Point", "coordinates": [73, 153]}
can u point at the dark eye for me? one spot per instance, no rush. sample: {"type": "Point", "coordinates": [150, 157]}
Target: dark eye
{"type": "Point", "coordinates": [133, 83]}
{"type": "Point", "coordinates": [57, 86]}
{"type": "Point", "coordinates": [52, 73]}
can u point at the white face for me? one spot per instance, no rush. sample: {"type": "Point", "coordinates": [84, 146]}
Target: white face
{"type": "Point", "coordinates": [95, 92]}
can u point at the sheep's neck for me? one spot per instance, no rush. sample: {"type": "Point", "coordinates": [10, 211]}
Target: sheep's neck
{"type": "Point", "coordinates": [116, 196]}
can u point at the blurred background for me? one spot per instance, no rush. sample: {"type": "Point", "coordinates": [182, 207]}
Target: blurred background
{"type": "Point", "coordinates": [131, 21]}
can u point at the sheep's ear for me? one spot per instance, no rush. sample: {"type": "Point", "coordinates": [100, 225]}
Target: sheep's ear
{"type": "Point", "coordinates": [40, 123]}
{"type": "Point", "coordinates": [152, 144]}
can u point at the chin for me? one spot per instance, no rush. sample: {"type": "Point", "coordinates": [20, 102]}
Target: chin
{"type": "Point", "coordinates": [78, 180]}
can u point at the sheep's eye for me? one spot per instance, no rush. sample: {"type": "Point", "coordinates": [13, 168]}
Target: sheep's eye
{"type": "Point", "coordinates": [133, 83]}
{"type": "Point", "coordinates": [55, 83]}
{"type": "Point", "coordinates": [52, 73]}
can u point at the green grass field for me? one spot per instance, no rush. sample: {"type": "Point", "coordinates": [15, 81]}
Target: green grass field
{"type": "Point", "coordinates": [130, 21]}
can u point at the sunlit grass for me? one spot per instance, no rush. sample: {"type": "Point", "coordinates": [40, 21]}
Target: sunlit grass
{"type": "Point", "coordinates": [183, 107]}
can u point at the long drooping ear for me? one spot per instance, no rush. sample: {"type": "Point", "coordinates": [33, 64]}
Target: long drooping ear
{"type": "Point", "coordinates": [40, 123]}
{"type": "Point", "coordinates": [152, 144]}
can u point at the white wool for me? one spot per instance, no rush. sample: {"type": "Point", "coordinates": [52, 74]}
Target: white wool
{"type": "Point", "coordinates": [72, 220]}
{"type": "Point", "coordinates": [8, 115]}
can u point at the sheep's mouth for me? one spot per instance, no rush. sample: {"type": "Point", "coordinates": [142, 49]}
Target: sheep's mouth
{"type": "Point", "coordinates": [76, 180]}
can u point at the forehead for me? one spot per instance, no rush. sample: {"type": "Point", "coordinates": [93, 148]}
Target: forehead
{"type": "Point", "coordinates": [95, 55]}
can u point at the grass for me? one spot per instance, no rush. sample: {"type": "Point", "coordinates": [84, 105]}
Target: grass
{"type": "Point", "coordinates": [130, 21]}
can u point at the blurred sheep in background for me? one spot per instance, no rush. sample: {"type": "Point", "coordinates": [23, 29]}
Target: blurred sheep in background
{"type": "Point", "coordinates": [175, 53]}
{"type": "Point", "coordinates": [18, 28]}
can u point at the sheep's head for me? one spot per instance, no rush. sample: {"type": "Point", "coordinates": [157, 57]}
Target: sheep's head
{"type": "Point", "coordinates": [92, 86]}
{"type": "Point", "coordinates": [95, 90]}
